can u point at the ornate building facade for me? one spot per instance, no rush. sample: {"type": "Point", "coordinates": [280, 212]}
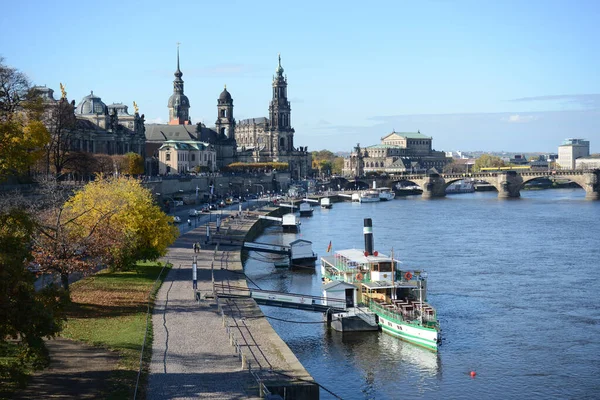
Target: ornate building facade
{"type": "Point", "coordinates": [250, 140]}
{"type": "Point", "coordinates": [180, 134]}
{"type": "Point", "coordinates": [183, 156]}
{"type": "Point", "coordinates": [398, 152]}
{"type": "Point", "coordinates": [92, 126]}
{"type": "Point", "coordinates": [272, 139]}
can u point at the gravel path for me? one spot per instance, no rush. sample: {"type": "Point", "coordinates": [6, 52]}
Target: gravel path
{"type": "Point", "coordinates": [192, 357]}
{"type": "Point", "coordinates": [76, 371]}
{"type": "Point", "coordinates": [192, 354]}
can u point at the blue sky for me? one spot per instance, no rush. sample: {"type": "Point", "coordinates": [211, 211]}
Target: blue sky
{"type": "Point", "coordinates": [517, 76]}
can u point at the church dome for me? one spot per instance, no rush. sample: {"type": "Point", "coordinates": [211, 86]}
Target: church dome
{"type": "Point", "coordinates": [225, 95]}
{"type": "Point", "coordinates": [178, 100]}
{"type": "Point", "coordinates": [91, 104]}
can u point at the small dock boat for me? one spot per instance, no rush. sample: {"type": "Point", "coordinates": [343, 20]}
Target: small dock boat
{"type": "Point", "coordinates": [326, 202]}
{"type": "Point", "coordinates": [386, 194]}
{"type": "Point", "coordinates": [396, 297]}
{"type": "Point", "coordinates": [290, 223]}
{"type": "Point", "coordinates": [369, 196]}
{"type": "Point", "coordinates": [306, 209]}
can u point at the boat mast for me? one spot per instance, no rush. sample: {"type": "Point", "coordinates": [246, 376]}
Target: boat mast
{"type": "Point", "coordinates": [421, 299]}
{"type": "Point", "coordinates": [393, 275]}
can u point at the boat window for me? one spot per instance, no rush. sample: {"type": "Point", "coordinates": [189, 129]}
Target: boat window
{"type": "Point", "coordinates": [385, 266]}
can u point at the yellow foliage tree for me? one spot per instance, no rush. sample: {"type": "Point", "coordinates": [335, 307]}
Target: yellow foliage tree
{"type": "Point", "coordinates": [135, 164]}
{"type": "Point", "coordinates": [137, 229]}
{"type": "Point", "coordinates": [21, 144]}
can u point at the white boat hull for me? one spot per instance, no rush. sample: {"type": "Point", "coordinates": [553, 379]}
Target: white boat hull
{"type": "Point", "coordinates": [425, 337]}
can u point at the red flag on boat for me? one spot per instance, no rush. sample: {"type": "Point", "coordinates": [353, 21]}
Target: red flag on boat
{"type": "Point", "coordinates": [329, 247]}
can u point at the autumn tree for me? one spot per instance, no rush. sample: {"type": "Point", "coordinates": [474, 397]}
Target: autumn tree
{"type": "Point", "coordinates": [142, 230]}
{"type": "Point", "coordinates": [22, 134]}
{"type": "Point", "coordinates": [135, 164]}
{"type": "Point", "coordinates": [326, 162]}
{"type": "Point", "coordinates": [25, 313]}
{"type": "Point", "coordinates": [59, 118]}
{"type": "Point", "coordinates": [487, 161]}
{"type": "Point", "coordinates": [66, 241]}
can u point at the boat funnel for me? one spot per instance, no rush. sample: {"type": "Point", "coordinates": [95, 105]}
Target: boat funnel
{"type": "Point", "coordinates": [368, 234]}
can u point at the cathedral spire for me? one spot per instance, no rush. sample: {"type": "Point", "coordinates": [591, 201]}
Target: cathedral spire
{"type": "Point", "coordinates": [178, 73]}
{"type": "Point", "coordinates": [279, 68]}
{"type": "Point", "coordinates": [179, 104]}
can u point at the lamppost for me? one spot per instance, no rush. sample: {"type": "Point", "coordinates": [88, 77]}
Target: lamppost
{"type": "Point", "coordinates": [168, 197]}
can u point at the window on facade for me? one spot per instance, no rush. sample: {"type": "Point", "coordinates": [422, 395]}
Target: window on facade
{"type": "Point", "coordinates": [168, 157]}
{"type": "Point", "coordinates": [204, 156]}
{"type": "Point", "coordinates": [193, 157]}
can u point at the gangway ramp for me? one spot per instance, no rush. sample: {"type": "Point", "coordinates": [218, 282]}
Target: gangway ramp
{"type": "Point", "coordinates": [282, 299]}
{"type": "Point", "coordinates": [267, 247]}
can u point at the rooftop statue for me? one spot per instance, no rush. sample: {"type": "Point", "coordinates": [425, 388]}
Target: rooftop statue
{"type": "Point", "coordinates": [63, 91]}
{"type": "Point", "coordinates": [135, 107]}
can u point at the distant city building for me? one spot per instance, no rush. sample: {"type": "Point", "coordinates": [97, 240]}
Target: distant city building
{"type": "Point", "coordinates": [96, 128]}
{"type": "Point", "coordinates": [272, 139]}
{"type": "Point", "coordinates": [251, 140]}
{"type": "Point", "coordinates": [180, 132]}
{"type": "Point", "coordinates": [178, 157]}
{"type": "Point", "coordinates": [571, 150]}
{"type": "Point", "coordinates": [398, 152]}
{"type": "Point", "coordinates": [518, 159]}
{"type": "Point", "coordinates": [591, 162]}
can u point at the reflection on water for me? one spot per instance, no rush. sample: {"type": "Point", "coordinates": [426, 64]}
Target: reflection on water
{"type": "Point", "coordinates": [515, 284]}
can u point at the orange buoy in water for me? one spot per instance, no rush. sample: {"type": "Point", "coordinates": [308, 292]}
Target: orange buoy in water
{"type": "Point", "coordinates": [473, 374]}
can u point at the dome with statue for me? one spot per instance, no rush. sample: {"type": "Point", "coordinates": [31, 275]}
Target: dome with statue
{"type": "Point", "coordinates": [91, 104]}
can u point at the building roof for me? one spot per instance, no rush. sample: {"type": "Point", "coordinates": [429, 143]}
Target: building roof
{"type": "Point", "coordinates": [185, 145]}
{"type": "Point", "coordinates": [300, 241]}
{"type": "Point", "coordinates": [178, 100]}
{"type": "Point", "coordinates": [342, 284]}
{"type": "Point", "coordinates": [225, 95]}
{"type": "Point", "coordinates": [163, 132]}
{"type": "Point", "coordinates": [251, 121]}
{"type": "Point", "coordinates": [384, 146]}
{"type": "Point", "coordinates": [408, 135]}
{"type": "Point", "coordinates": [91, 104]}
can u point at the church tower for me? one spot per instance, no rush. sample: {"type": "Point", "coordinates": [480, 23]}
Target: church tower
{"type": "Point", "coordinates": [225, 124]}
{"type": "Point", "coordinates": [179, 104]}
{"type": "Point", "coordinates": [282, 133]}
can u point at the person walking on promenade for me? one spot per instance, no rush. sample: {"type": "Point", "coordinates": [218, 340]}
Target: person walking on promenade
{"type": "Point", "coordinates": [195, 247]}
{"type": "Point", "coordinates": [198, 247]}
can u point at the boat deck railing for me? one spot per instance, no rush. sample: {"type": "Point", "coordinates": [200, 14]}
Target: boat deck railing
{"type": "Point", "coordinates": [407, 313]}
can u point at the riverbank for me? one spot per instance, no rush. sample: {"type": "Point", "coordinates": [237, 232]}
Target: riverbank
{"type": "Point", "coordinates": [218, 347]}
{"type": "Point", "coordinates": [98, 353]}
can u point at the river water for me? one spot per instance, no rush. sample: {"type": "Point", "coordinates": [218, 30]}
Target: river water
{"type": "Point", "coordinates": [516, 284]}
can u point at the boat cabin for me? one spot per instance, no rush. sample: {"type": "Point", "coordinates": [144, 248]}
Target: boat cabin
{"type": "Point", "coordinates": [338, 290]}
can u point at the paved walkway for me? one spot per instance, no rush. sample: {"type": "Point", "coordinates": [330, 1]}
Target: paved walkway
{"type": "Point", "coordinates": [76, 371]}
{"type": "Point", "coordinates": [192, 354]}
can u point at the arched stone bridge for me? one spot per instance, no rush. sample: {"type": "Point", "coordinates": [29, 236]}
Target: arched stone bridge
{"type": "Point", "coordinates": [508, 183]}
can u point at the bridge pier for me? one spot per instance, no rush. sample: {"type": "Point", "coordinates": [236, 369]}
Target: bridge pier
{"type": "Point", "coordinates": [509, 185]}
{"type": "Point", "coordinates": [434, 186]}
{"type": "Point", "coordinates": [591, 185]}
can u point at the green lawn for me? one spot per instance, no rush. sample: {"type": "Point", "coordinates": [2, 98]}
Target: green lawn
{"type": "Point", "coordinates": [109, 310]}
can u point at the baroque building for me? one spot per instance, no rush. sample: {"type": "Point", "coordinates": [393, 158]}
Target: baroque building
{"type": "Point", "coordinates": [182, 156]}
{"type": "Point", "coordinates": [398, 152]}
{"type": "Point", "coordinates": [272, 139]}
{"type": "Point", "coordinates": [180, 136]}
{"type": "Point", "coordinates": [251, 140]}
{"type": "Point", "coordinates": [92, 126]}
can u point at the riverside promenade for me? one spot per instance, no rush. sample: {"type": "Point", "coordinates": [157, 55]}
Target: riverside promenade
{"type": "Point", "coordinates": [212, 347]}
